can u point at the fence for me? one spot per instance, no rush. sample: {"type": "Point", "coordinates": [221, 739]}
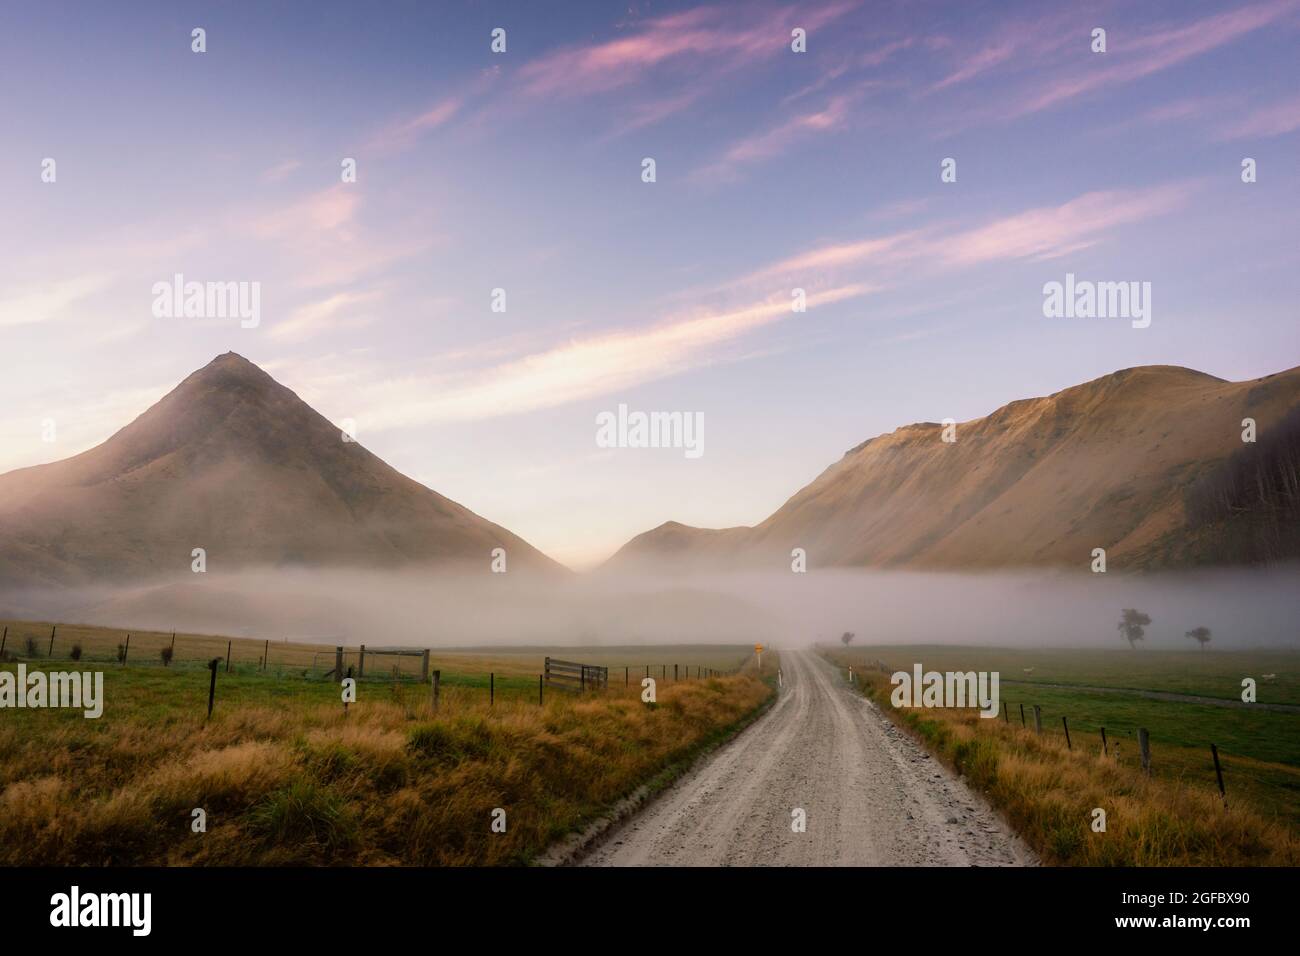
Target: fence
{"type": "Point", "coordinates": [35, 642]}
{"type": "Point", "coordinates": [573, 676]}
{"type": "Point", "coordinates": [1140, 736]}
{"type": "Point", "coordinates": [76, 645]}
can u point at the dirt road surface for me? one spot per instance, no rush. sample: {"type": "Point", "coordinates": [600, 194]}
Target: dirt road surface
{"type": "Point", "coordinates": [871, 795]}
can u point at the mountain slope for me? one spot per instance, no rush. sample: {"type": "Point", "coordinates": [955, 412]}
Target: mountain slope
{"type": "Point", "coordinates": [1041, 481]}
{"type": "Point", "coordinates": [235, 463]}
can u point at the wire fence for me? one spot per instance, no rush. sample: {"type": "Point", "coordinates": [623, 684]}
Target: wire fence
{"type": "Point", "coordinates": [55, 644]}
{"type": "Point", "coordinates": [1085, 735]}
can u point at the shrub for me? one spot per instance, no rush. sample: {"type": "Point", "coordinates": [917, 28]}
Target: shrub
{"type": "Point", "coordinates": [307, 815]}
{"type": "Point", "coordinates": [31, 647]}
{"type": "Point", "coordinates": [166, 655]}
{"type": "Point", "coordinates": [75, 653]}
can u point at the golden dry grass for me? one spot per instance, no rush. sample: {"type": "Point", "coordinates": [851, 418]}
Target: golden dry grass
{"type": "Point", "coordinates": [1048, 793]}
{"type": "Point", "coordinates": [298, 782]}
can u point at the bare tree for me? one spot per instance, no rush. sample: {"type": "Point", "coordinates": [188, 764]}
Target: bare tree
{"type": "Point", "coordinates": [846, 637]}
{"type": "Point", "coordinates": [1132, 624]}
{"type": "Point", "coordinates": [1199, 634]}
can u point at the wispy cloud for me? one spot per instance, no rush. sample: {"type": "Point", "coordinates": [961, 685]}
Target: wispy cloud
{"type": "Point", "coordinates": [1052, 231]}
{"type": "Point", "coordinates": [49, 300]}
{"type": "Point", "coordinates": [281, 171]}
{"type": "Point", "coordinates": [1130, 59]}
{"type": "Point", "coordinates": [661, 65]}
{"type": "Point", "coordinates": [703, 38]}
{"type": "Point", "coordinates": [403, 133]}
{"type": "Point", "coordinates": [320, 241]}
{"type": "Point", "coordinates": [779, 138]}
{"type": "Point", "coordinates": [343, 310]}
{"type": "Point", "coordinates": [1043, 232]}
{"type": "Point", "coordinates": [1275, 119]}
{"type": "Point", "coordinates": [1016, 43]}
{"type": "Point", "coordinates": [327, 211]}
{"type": "Point", "coordinates": [579, 369]}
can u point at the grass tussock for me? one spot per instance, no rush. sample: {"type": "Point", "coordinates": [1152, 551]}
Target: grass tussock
{"type": "Point", "coordinates": [298, 782]}
{"type": "Point", "coordinates": [1048, 793]}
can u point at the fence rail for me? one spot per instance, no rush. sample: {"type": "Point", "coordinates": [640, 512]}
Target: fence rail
{"type": "Point", "coordinates": [575, 676]}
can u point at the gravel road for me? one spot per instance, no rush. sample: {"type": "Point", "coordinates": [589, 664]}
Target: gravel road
{"type": "Point", "coordinates": [871, 795]}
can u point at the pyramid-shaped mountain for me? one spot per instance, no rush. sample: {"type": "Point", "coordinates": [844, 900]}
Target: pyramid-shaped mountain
{"type": "Point", "coordinates": [233, 462]}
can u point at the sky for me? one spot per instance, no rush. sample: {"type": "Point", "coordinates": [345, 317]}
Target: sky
{"type": "Point", "coordinates": [523, 170]}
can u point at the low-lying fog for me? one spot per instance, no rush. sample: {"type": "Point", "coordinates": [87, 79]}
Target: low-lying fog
{"type": "Point", "coordinates": [1243, 608]}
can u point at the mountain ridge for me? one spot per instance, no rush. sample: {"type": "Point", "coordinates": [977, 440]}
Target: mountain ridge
{"type": "Point", "coordinates": [890, 501]}
{"type": "Point", "coordinates": [234, 462]}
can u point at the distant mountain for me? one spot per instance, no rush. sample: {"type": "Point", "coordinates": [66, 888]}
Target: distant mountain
{"type": "Point", "coordinates": [235, 463]}
{"type": "Point", "coordinates": [1147, 462]}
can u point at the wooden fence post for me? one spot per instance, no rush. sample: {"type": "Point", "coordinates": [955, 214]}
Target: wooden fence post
{"type": "Point", "coordinates": [1038, 720]}
{"type": "Point", "coordinates": [424, 666]}
{"type": "Point", "coordinates": [541, 692]}
{"type": "Point", "coordinates": [1066, 724]}
{"type": "Point", "coordinates": [126, 649]}
{"type": "Point", "coordinates": [1103, 742]}
{"type": "Point", "coordinates": [266, 654]}
{"type": "Point", "coordinates": [361, 662]}
{"type": "Point", "coordinates": [1022, 715]}
{"type": "Point", "coordinates": [212, 687]}
{"type": "Point", "coordinates": [437, 680]}
{"type": "Point", "coordinates": [1006, 713]}
{"type": "Point", "coordinates": [674, 673]}
{"type": "Point", "coordinates": [229, 645]}
{"type": "Point", "coordinates": [1144, 745]}
{"type": "Point", "coordinates": [50, 653]}
{"type": "Point", "coordinates": [338, 665]}
{"type": "Point", "coordinates": [173, 643]}
{"type": "Point", "coordinates": [3, 641]}
{"type": "Point", "coordinates": [1218, 772]}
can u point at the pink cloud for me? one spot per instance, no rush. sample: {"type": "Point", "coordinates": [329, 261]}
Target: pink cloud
{"type": "Point", "coordinates": [1041, 233]}
{"type": "Point", "coordinates": [779, 138]}
{"type": "Point", "coordinates": [1187, 109]}
{"type": "Point", "coordinates": [982, 61]}
{"type": "Point", "coordinates": [872, 58]}
{"type": "Point", "coordinates": [581, 368]}
{"type": "Point", "coordinates": [402, 134]}
{"type": "Point", "coordinates": [1016, 43]}
{"type": "Point", "coordinates": [707, 37]}
{"type": "Point", "coordinates": [1052, 231]}
{"type": "Point", "coordinates": [1131, 59]}
{"type": "Point", "coordinates": [1275, 119]}
{"type": "Point", "coordinates": [327, 211]}
{"type": "Point", "coordinates": [835, 257]}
